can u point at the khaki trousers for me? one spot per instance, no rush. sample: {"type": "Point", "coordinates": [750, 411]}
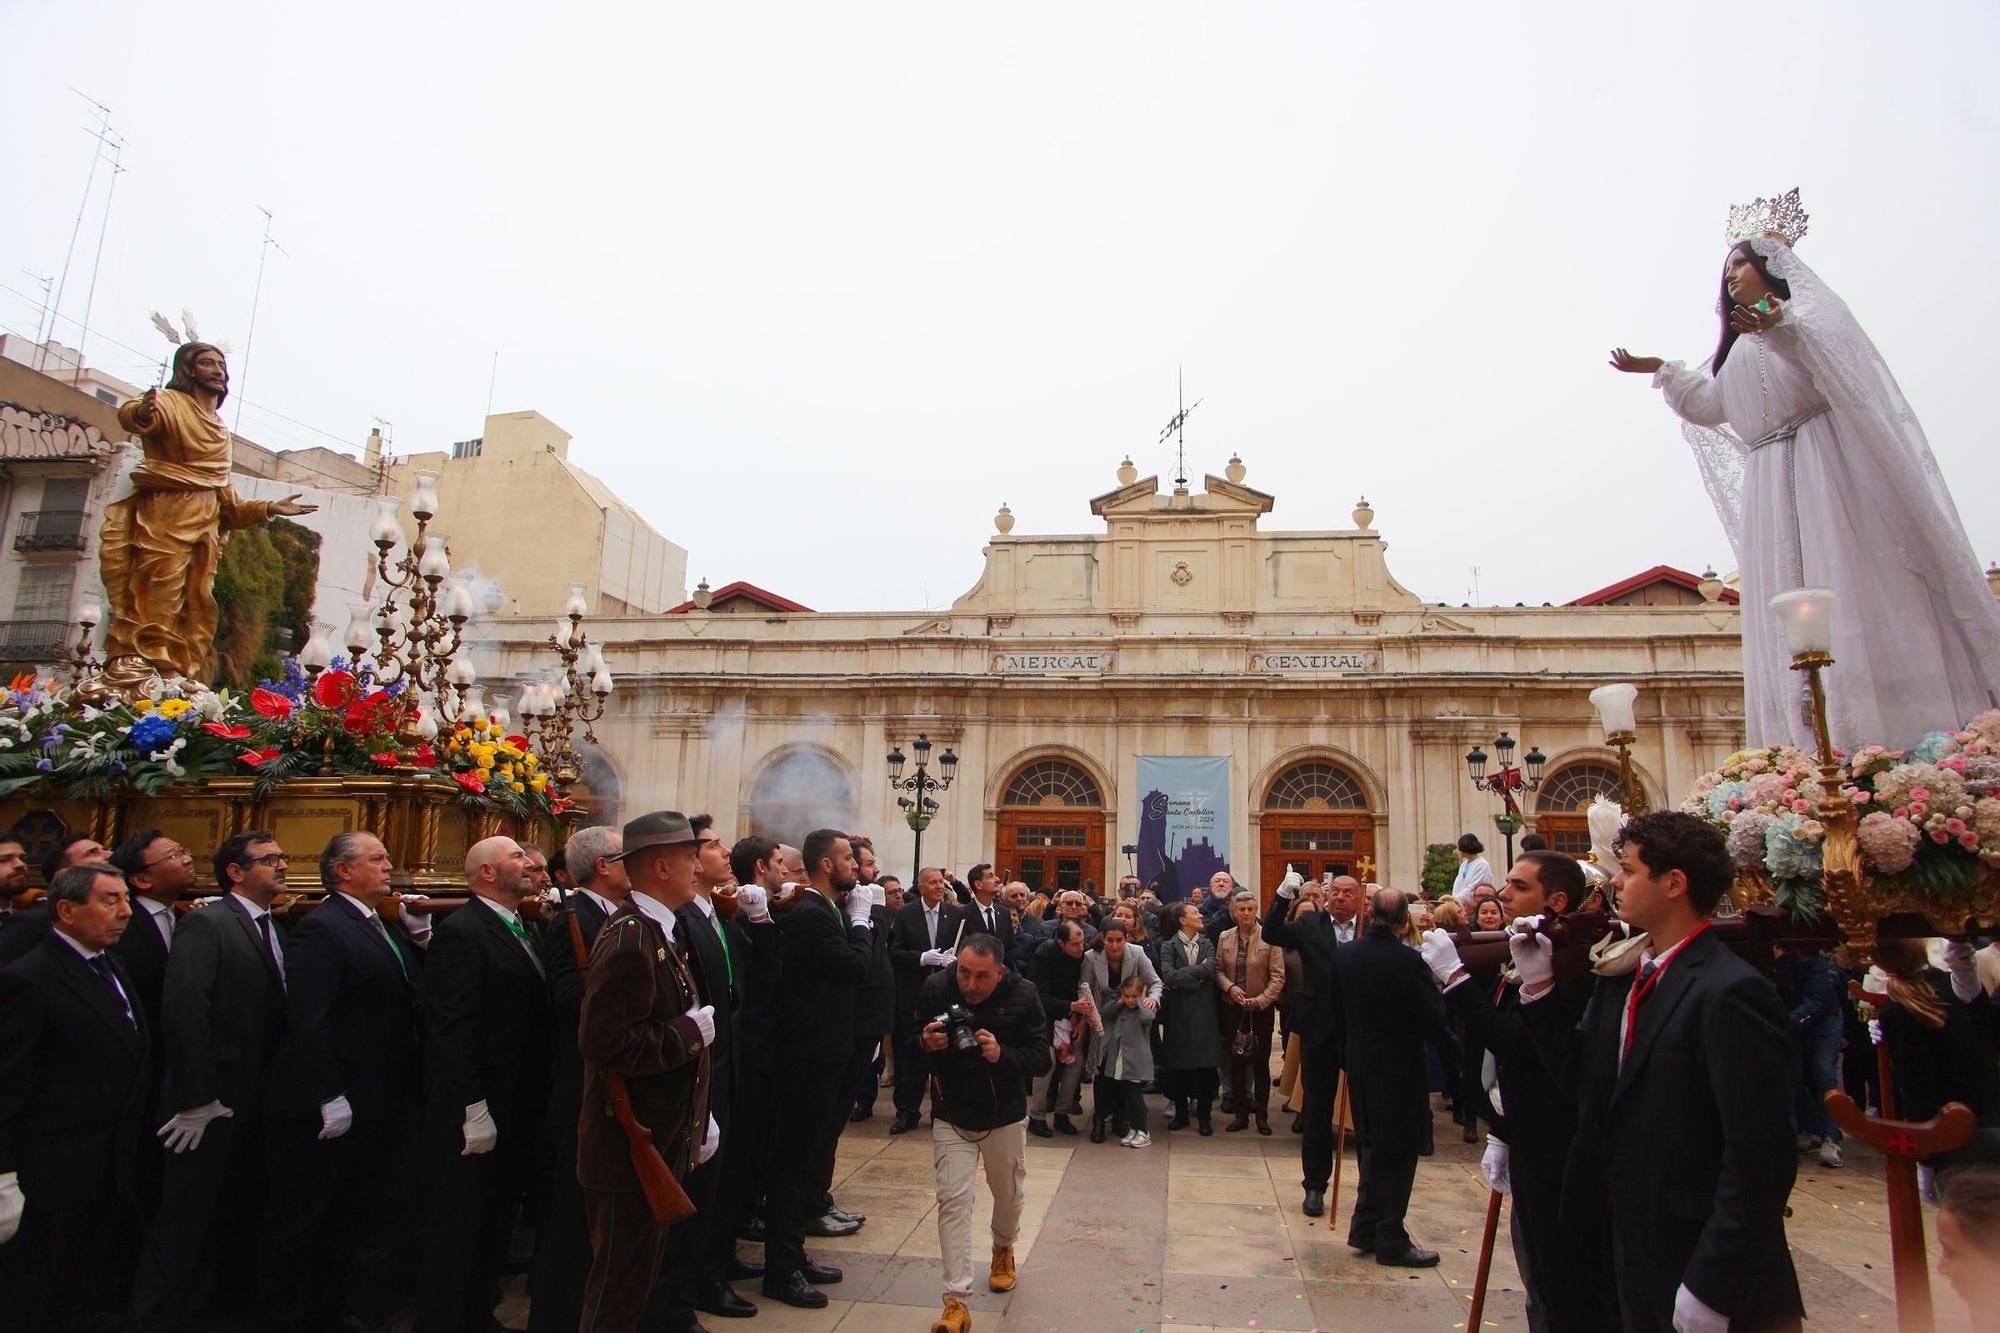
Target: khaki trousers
{"type": "Point", "coordinates": [957, 1155]}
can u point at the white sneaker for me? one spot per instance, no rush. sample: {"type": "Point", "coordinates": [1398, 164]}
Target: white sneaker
{"type": "Point", "coordinates": [1139, 1139]}
{"type": "Point", "coordinates": [1126, 1141]}
{"type": "Point", "coordinates": [1808, 1142]}
{"type": "Point", "coordinates": [1829, 1154]}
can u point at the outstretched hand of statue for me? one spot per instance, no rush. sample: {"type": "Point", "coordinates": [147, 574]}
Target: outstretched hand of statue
{"type": "Point", "coordinates": [149, 409]}
{"type": "Point", "coordinates": [1756, 319]}
{"type": "Point", "coordinates": [290, 506]}
{"type": "Point", "coordinates": [1634, 365]}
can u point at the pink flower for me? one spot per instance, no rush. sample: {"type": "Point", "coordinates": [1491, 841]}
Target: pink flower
{"type": "Point", "coordinates": [1954, 826]}
{"type": "Point", "coordinates": [1801, 807]}
{"type": "Point", "coordinates": [1939, 835]}
{"type": "Point", "coordinates": [1969, 841]}
{"type": "Point", "coordinates": [1919, 794]}
{"type": "Point", "coordinates": [1858, 796]}
{"type": "Point", "coordinates": [1902, 812]}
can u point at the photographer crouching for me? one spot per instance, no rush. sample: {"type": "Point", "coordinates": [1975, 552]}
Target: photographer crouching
{"type": "Point", "coordinates": [984, 1040]}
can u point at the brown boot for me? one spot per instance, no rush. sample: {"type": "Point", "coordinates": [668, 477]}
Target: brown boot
{"type": "Point", "coordinates": [1003, 1269]}
{"type": "Point", "coordinates": [1241, 1122]}
{"type": "Point", "coordinates": [955, 1319]}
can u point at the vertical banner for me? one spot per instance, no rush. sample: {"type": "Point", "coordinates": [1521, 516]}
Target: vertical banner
{"type": "Point", "coordinates": [1183, 822]}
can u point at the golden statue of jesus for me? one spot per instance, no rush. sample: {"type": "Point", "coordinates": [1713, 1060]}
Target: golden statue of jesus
{"type": "Point", "coordinates": [160, 544]}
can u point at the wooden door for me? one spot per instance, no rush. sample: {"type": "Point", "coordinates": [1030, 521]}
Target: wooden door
{"type": "Point", "coordinates": [1052, 849]}
{"type": "Point", "coordinates": [1316, 844]}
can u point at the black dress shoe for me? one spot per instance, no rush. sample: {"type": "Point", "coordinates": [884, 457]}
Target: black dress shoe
{"type": "Point", "coordinates": [1205, 1126]}
{"type": "Point", "coordinates": [904, 1122]}
{"type": "Point", "coordinates": [1064, 1125]}
{"type": "Point", "coordinates": [793, 1289]}
{"type": "Point", "coordinates": [820, 1275]}
{"type": "Point", "coordinates": [1315, 1205]}
{"type": "Point", "coordinates": [1180, 1120]}
{"type": "Point", "coordinates": [859, 1114]}
{"type": "Point", "coordinates": [835, 1210]}
{"type": "Point", "coordinates": [741, 1270]}
{"type": "Point", "coordinates": [828, 1225]}
{"type": "Point", "coordinates": [1040, 1128]}
{"type": "Point", "coordinates": [720, 1299]}
{"type": "Point", "coordinates": [1096, 1129]}
{"type": "Point", "coordinates": [1361, 1246]}
{"type": "Point", "coordinates": [1407, 1257]}
{"type": "Point", "coordinates": [1299, 1123]}
{"type": "Point", "coordinates": [753, 1230]}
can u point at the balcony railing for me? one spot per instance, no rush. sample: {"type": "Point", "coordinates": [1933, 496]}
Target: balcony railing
{"type": "Point", "coordinates": [51, 530]}
{"type": "Point", "coordinates": [32, 640]}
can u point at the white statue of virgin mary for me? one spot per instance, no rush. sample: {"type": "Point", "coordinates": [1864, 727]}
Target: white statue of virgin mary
{"type": "Point", "coordinates": [1823, 478]}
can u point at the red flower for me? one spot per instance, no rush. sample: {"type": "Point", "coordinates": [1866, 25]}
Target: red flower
{"type": "Point", "coordinates": [425, 757]}
{"type": "Point", "coordinates": [519, 742]}
{"type": "Point", "coordinates": [271, 704]}
{"type": "Point", "coordinates": [228, 733]}
{"type": "Point", "coordinates": [386, 758]}
{"type": "Point", "coordinates": [471, 781]}
{"type": "Point", "coordinates": [561, 805]}
{"type": "Point", "coordinates": [335, 689]}
{"type": "Point", "coordinates": [364, 714]}
{"type": "Point", "coordinates": [258, 758]}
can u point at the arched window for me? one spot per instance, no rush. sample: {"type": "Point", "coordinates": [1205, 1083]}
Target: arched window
{"type": "Point", "coordinates": [801, 791]}
{"type": "Point", "coordinates": [1565, 797]}
{"type": "Point", "coordinates": [1052, 782]}
{"type": "Point", "coordinates": [1316, 785]}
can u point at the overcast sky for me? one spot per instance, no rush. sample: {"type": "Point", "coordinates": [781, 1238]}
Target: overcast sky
{"type": "Point", "coordinates": [817, 287]}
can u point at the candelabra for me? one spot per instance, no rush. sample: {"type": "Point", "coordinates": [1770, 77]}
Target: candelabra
{"type": "Point", "coordinates": [1505, 781]}
{"type": "Point", "coordinates": [566, 704]}
{"type": "Point", "coordinates": [919, 808]}
{"type": "Point", "coordinates": [1806, 615]}
{"type": "Point", "coordinates": [1621, 731]}
{"type": "Point", "coordinates": [80, 660]}
{"type": "Point", "coordinates": [419, 626]}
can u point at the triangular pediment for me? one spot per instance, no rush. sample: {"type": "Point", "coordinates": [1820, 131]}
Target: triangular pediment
{"type": "Point", "coordinates": [1135, 496]}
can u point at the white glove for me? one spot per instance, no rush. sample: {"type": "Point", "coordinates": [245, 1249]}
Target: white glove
{"type": "Point", "coordinates": [11, 1205]}
{"type": "Point", "coordinates": [416, 924]}
{"type": "Point", "coordinates": [480, 1131]}
{"type": "Point", "coordinates": [756, 903]}
{"type": "Point", "coordinates": [710, 1141]}
{"type": "Point", "coordinates": [1534, 954]}
{"type": "Point", "coordinates": [335, 1118]}
{"type": "Point", "coordinates": [1442, 955]}
{"type": "Point", "coordinates": [1964, 971]}
{"type": "Point", "coordinates": [1876, 982]}
{"type": "Point", "coordinates": [183, 1133]}
{"type": "Point", "coordinates": [877, 895]}
{"type": "Point", "coordinates": [857, 907]}
{"type": "Point", "coordinates": [1875, 1030]}
{"type": "Point", "coordinates": [704, 1018]}
{"type": "Point", "coordinates": [1691, 1316]}
{"type": "Point", "coordinates": [1289, 886]}
{"type": "Point", "coordinates": [934, 958]}
{"type": "Point", "coordinates": [1493, 1167]}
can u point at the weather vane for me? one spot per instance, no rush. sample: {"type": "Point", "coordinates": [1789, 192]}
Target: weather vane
{"type": "Point", "coordinates": [1177, 428]}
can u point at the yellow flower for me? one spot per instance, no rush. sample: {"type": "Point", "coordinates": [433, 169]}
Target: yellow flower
{"type": "Point", "coordinates": [142, 705]}
{"type": "Point", "coordinates": [539, 781]}
{"type": "Point", "coordinates": [530, 762]}
{"type": "Point", "coordinates": [480, 724]}
{"type": "Point", "coordinates": [510, 749]}
{"type": "Point", "coordinates": [461, 737]}
{"type": "Point", "coordinates": [518, 787]}
{"type": "Point", "coordinates": [173, 708]}
{"type": "Point", "coordinates": [507, 771]}
{"type": "Point", "coordinates": [484, 760]}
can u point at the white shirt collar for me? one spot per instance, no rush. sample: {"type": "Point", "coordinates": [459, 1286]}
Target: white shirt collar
{"type": "Point", "coordinates": [157, 909]}
{"type": "Point", "coordinates": [82, 951]}
{"type": "Point", "coordinates": [707, 907]}
{"type": "Point", "coordinates": [250, 907]}
{"type": "Point", "coordinates": [359, 906]}
{"type": "Point", "coordinates": [610, 908]}
{"type": "Point", "coordinates": [505, 913]}
{"type": "Point", "coordinates": [660, 914]}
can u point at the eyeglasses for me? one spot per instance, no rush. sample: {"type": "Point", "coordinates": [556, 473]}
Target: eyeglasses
{"type": "Point", "coordinates": [177, 854]}
{"type": "Point", "coordinates": [268, 859]}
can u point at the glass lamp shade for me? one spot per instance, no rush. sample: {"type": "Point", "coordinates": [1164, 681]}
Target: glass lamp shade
{"type": "Point", "coordinates": [387, 531]}
{"type": "Point", "coordinates": [1536, 761]}
{"type": "Point", "coordinates": [1614, 707]}
{"type": "Point", "coordinates": [1503, 744]}
{"type": "Point", "coordinates": [601, 683]}
{"type": "Point", "coordinates": [88, 614]}
{"type": "Point", "coordinates": [947, 765]}
{"type": "Point", "coordinates": [497, 710]}
{"type": "Point", "coordinates": [1806, 614]}
{"type": "Point", "coordinates": [435, 564]}
{"type": "Point", "coordinates": [896, 762]}
{"type": "Point", "coordinates": [576, 605]}
{"type": "Point", "coordinates": [460, 672]}
{"type": "Point", "coordinates": [922, 745]}
{"type": "Point", "coordinates": [317, 652]}
{"type": "Point", "coordinates": [427, 726]}
{"type": "Point", "coordinates": [469, 702]}
{"type": "Point", "coordinates": [1475, 759]}
{"type": "Point", "coordinates": [593, 659]}
{"type": "Point", "coordinates": [360, 628]}
{"type": "Point", "coordinates": [424, 500]}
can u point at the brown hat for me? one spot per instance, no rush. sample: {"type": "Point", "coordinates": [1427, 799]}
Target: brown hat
{"type": "Point", "coordinates": [661, 828]}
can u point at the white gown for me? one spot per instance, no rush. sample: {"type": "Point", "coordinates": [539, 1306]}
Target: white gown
{"type": "Point", "coordinates": [1852, 501]}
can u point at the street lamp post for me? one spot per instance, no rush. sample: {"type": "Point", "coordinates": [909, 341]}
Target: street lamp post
{"type": "Point", "coordinates": [1505, 781]}
{"type": "Point", "coordinates": [919, 808]}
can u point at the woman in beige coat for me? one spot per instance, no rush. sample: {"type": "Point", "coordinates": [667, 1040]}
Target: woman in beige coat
{"type": "Point", "coordinates": [1250, 974]}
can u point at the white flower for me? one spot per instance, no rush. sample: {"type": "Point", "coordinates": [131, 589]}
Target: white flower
{"type": "Point", "coordinates": [166, 757]}
{"type": "Point", "coordinates": [210, 705]}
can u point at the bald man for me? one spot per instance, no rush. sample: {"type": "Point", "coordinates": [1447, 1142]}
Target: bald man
{"type": "Point", "coordinates": [487, 1021]}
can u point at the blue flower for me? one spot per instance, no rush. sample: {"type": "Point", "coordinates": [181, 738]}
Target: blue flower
{"type": "Point", "coordinates": [1934, 746]}
{"type": "Point", "coordinates": [1719, 799]}
{"type": "Point", "coordinates": [150, 733]}
{"type": "Point", "coordinates": [46, 765]}
{"type": "Point", "coordinates": [1788, 856]}
{"type": "Point", "coordinates": [117, 767]}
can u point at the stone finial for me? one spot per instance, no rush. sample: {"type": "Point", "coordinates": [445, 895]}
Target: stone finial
{"type": "Point", "coordinates": [1711, 585]}
{"type": "Point", "coordinates": [1235, 472]}
{"type": "Point", "coordinates": [1127, 474]}
{"type": "Point", "coordinates": [1364, 517]}
{"type": "Point", "coordinates": [702, 596]}
{"type": "Point", "coordinates": [1003, 522]}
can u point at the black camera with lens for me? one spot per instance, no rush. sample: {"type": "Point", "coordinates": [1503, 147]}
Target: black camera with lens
{"type": "Point", "coordinates": [959, 1026]}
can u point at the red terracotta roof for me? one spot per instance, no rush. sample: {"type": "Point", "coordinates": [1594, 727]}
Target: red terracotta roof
{"type": "Point", "coordinates": [770, 601]}
{"type": "Point", "coordinates": [1657, 574]}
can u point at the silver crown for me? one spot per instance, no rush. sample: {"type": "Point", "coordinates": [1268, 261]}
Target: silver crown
{"type": "Point", "coordinates": [1783, 217]}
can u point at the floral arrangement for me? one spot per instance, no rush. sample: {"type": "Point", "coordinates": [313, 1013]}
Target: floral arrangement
{"type": "Point", "coordinates": [342, 721]}
{"type": "Point", "coordinates": [1929, 816]}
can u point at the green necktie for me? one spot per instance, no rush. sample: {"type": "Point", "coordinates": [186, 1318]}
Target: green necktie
{"type": "Point", "coordinates": [728, 963]}
{"type": "Point", "coordinates": [390, 940]}
{"type": "Point", "coordinates": [520, 934]}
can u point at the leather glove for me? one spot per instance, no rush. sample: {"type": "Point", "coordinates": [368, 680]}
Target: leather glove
{"type": "Point", "coordinates": [756, 903]}
{"type": "Point", "coordinates": [1493, 1167]}
{"type": "Point", "coordinates": [480, 1131]}
{"type": "Point", "coordinates": [1691, 1316]}
{"type": "Point", "coordinates": [417, 924]}
{"type": "Point", "coordinates": [1964, 971]}
{"type": "Point", "coordinates": [11, 1205]}
{"type": "Point", "coordinates": [183, 1133]}
{"type": "Point", "coordinates": [1534, 953]}
{"type": "Point", "coordinates": [1289, 886]}
{"type": "Point", "coordinates": [704, 1018]}
{"type": "Point", "coordinates": [934, 958]}
{"type": "Point", "coordinates": [1442, 955]}
{"type": "Point", "coordinates": [857, 907]}
{"type": "Point", "coordinates": [335, 1118]}
{"type": "Point", "coordinates": [710, 1142]}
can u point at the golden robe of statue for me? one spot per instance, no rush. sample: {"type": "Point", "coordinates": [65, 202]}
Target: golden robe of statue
{"type": "Point", "coordinates": [160, 544]}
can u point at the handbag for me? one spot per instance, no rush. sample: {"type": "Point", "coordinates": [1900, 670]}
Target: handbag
{"type": "Point", "coordinates": [1244, 1043]}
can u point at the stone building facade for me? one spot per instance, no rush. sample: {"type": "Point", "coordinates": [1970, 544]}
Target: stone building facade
{"type": "Point", "coordinates": [1182, 627]}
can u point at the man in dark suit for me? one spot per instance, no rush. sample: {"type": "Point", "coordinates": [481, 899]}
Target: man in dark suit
{"type": "Point", "coordinates": [1316, 1018]}
{"type": "Point", "coordinates": [224, 1021]}
{"type": "Point", "coordinates": [347, 1078]}
{"type": "Point", "coordinates": [73, 1111]}
{"type": "Point", "coordinates": [828, 947]}
{"type": "Point", "coordinates": [22, 930]}
{"type": "Point", "coordinates": [562, 1244]}
{"type": "Point", "coordinates": [1684, 1137]}
{"type": "Point", "coordinates": [922, 936]}
{"type": "Point", "coordinates": [157, 871]}
{"type": "Point", "coordinates": [874, 1003]}
{"type": "Point", "coordinates": [986, 914]}
{"type": "Point", "coordinates": [757, 865]}
{"type": "Point", "coordinates": [1390, 1007]}
{"type": "Point", "coordinates": [486, 1069]}
{"type": "Point", "coordinates": [1566, 1270]}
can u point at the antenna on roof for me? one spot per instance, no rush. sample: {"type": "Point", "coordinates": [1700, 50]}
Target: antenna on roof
{"type": "Point", "coordinates": [256, 295]}
{"type": "Point", "coordinates": [1177, 428]}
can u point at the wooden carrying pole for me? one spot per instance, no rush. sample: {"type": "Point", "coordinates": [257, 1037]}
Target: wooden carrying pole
{"type": "Point", "coordinates": [1485, 1261]}
{"type": "Point", "coordinates": [1339, 1147]}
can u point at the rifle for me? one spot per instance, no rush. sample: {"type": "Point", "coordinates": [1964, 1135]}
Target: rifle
{"type": "Point", "coordinates": [664, 1196]}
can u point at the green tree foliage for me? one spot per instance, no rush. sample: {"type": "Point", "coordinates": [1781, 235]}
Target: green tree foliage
{"type": "Point", "coordinates": [263, 581]}
{"type": "Point", "coordinates": [1440, 868]}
